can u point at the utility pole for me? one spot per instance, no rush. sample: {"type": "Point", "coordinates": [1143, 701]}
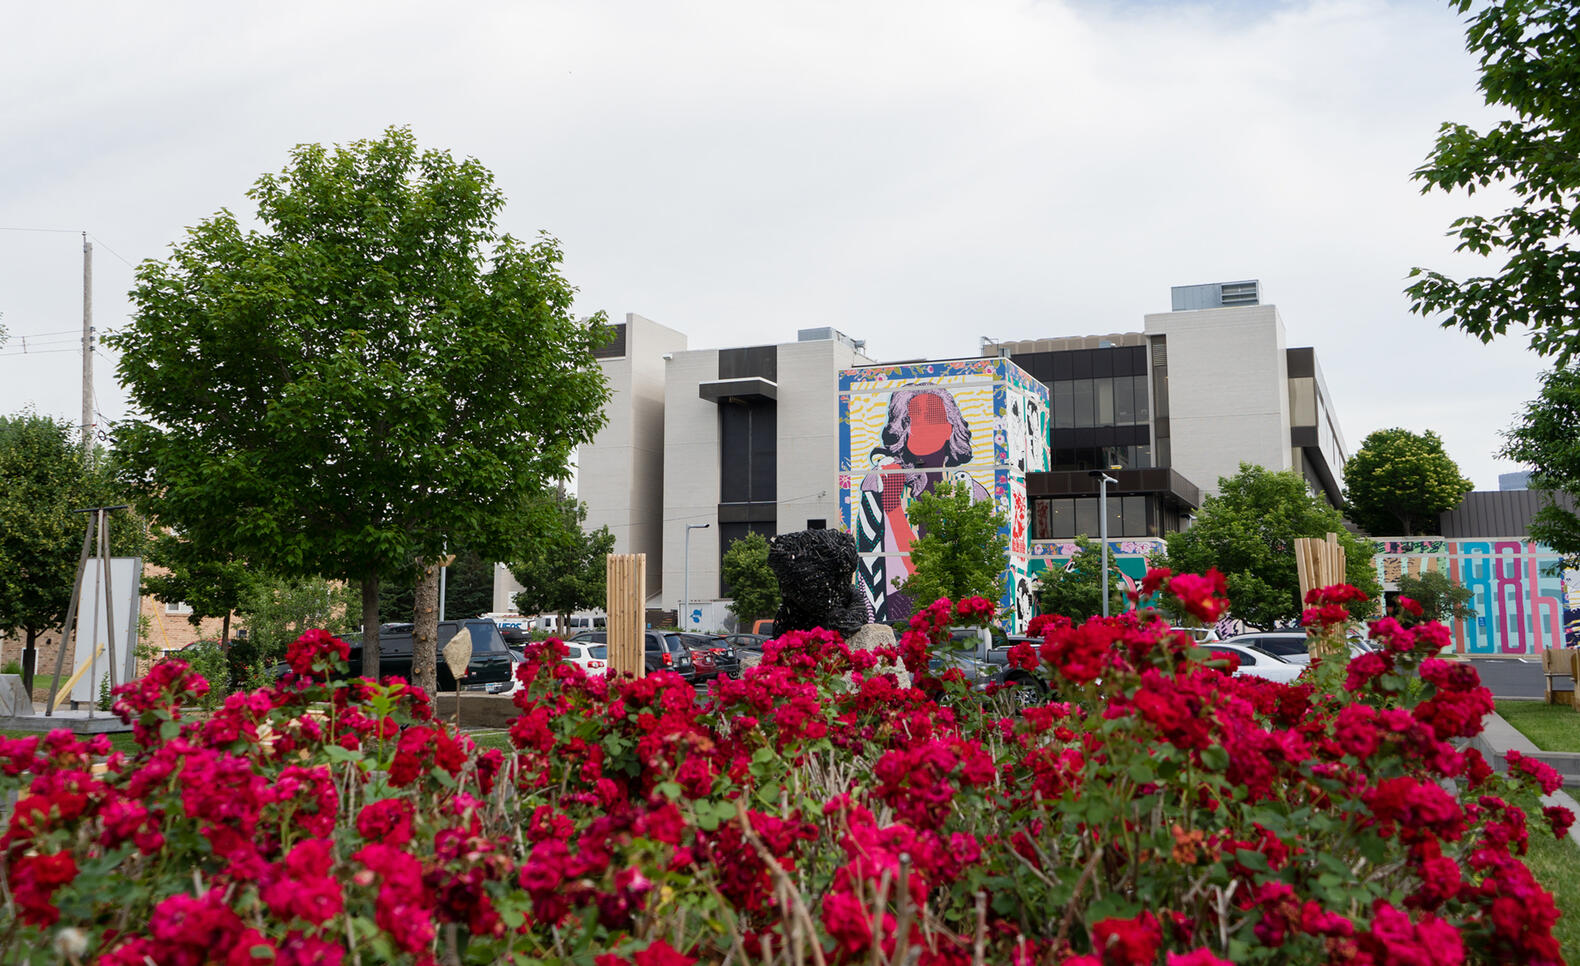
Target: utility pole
{"type": "Point", "coordinates": [87, 346]}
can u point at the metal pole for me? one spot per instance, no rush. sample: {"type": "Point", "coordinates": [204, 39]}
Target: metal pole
{"type": "Point", "coordinates": [442, 571]}
{"type": "Point", "coordinates": [686, 588]}
{"type": "Point", "coordinates": [1103, 479]}
{"type": "Point", "coordinates": [72, 621]}
{"type": "Point", "coordinates": [87, 346]}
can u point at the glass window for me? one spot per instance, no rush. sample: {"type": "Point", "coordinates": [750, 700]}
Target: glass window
{"type": "Point", "coordinates": [1143, 456]}
{"type": "Point", "coordinates": [1135, 516]}
{"type": "Point", "coordinates": [599, 652]}
{"type": "Point", "coordinates": [1086, 522]}
{"type": "Point", "coordinates": [1061, 524]}
{"type": "Point", "coordinates": [1105, 400]}
{"type": "Point", "coordinates": [1160, 390]}
{"type": "Point", "coordinates": [1083, 403]}
{"type": "Point", "coordinates": [1116, 517]}
{"type": "Point", "coordinates": [1064, 405]}
{"type": "Point", "coordinates": [1139, 386]}
{"type": "Point", "coordinates": [1124, 400]}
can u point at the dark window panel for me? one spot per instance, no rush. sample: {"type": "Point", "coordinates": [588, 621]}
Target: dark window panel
{"type": "Point", "coordinates": [1063, 405]}
{"type": "Point", "coordinates": [1083, 403]}
{"type": "Point", "coordinates": [1124, 400]}
{"type": "Point", "coordinates": [1063, 365]}
{"type": "Point", "coordinates": [1086, 519]}
{"type": "Point", "coordinates": [1103, 363]}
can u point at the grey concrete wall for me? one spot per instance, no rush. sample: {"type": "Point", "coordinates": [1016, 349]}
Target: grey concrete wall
{"type": "Point", "coordinates": [1228, 393]}
{"type": "Point", "coordinates": [691, 478]}
{"type": "Point", "coordinates": [808, 466]}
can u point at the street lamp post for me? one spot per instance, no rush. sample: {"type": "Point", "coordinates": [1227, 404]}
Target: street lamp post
{"type": "Point", "coordinates": [686, 589]}
{"type": "Point", "coordinates": [1103, 479]}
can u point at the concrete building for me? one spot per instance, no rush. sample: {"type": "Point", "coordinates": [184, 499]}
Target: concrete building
{"type": "Point", "coordinates": [750, 444]}
{"type": "Point", "coordinates": [1176, 406]}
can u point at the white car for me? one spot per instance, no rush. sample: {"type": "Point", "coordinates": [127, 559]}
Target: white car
{"type": "Point", "coordinates": [593, 657]}
{"type": "Point", "coordinates": [1289, 645]}
{"type": "Point", "coordinates": [1257, 663]}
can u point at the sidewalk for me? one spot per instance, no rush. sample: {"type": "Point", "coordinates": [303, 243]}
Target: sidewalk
{"type": "Point", "coordinates": [1498, 737]}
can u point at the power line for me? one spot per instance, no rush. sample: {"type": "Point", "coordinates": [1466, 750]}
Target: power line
{"type": "Point", "coordinates": [37, 352]}
{"type": "Point", "coordinates": [110, 250]}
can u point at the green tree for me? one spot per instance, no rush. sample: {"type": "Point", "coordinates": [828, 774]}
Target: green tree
{"type": "Point", "coordinates": [276, 610]}
{"type": "Point", "coordinates": [1546, 439]}
{"type": "Point", "coordinates": [374, 371]}
{"type": "Point", "coordinates": [563, 567]}
{"type": "Point", "coordinates": [44, 479]}
{"type": "Point", "coordinates": [1076, 590]}
{"type": "Point", "coordinates": [211, 585]}
{"type": "Point", "coordinates": [1248, 532]}
{"type": "Point", "coordinates": [1398, 483]}
{"type": "Point", "coordinates": [753, 588]}
{"type": "Point", "coordinates": [1440, 597]}
{"type": "Point", "coordinates": [1529, 54]}
{"type": "Point", "coordinates": [961, 550]}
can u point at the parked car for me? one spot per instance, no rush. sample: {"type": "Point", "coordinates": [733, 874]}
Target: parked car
{"type": "Point", "coordinates": [1255, 662]}
{"type": "Point", "coordinates": [593, 657]}
{"type": "Point", "coordinates": [711, 656]}
{"type": "Point", "coordinates": [748, 648]}
{"type": "Point", "coordinates": [492, 667]}
{"type": "Point", "coordinates": [1289, 645]}
{"type": "Point", "coordinates": [661, 651]}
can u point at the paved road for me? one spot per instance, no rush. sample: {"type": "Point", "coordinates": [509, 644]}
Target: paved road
{"type": "Point", "coordinates": [1512, 677]}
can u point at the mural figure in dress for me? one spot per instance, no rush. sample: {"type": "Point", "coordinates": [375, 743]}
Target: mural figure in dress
{"type": "Point", "coordinates": [923, 435]}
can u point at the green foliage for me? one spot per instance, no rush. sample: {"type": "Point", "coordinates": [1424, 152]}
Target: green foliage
{"type": "Point", "coordinates": [276, 610]}
{"type": "Point", "coordinates": [562, 568]}
{"type": "Point", "coordinates": [1248, 532]}
{"type": "Point", "coordinates": [1530, 66]}
{"type": "Point", "coordinates": [961, 551]}
{"type": "Point", "coordinates": [1440, 597]}
{"type": "Point", "coordinates": [468, 590]}
{"type": "Point", "coordinates": [1546, 438]}
{"type": "Point", "coordinates": [44, 477]}
{"type": "Point", "coordinates": [1076, 590]}
{"type": "Point", "coordinates": [211, 584]}
{"type": "Point", "coordinates": [1398, 482]}
{"type": "Point", "coordinates": [752, 585]}
{"type": "Point", "coordinates": [374, 371]}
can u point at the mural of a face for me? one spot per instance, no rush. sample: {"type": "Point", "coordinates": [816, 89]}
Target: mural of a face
{"type": "Point", "coordinates": [930, 426]}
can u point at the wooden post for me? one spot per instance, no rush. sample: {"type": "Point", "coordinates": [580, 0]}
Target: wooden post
{"type": "Point", "coordinates": [627, 598]}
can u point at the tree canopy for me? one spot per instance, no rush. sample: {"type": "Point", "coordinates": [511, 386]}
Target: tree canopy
{"type": "Point", "coordinates": [1398, 483]}
{"type": "Point", "coordinates": [1546, 438]}
{"type": "Point", "coordinates": [562, 568]}
{"type": "Point", "coordinates": [1248, 532]}
{"type": "Point", "coordinates": [1440, 596]}
{"type": "Point", "coordinates": [1076, 589]}
{"type": "Point", "coordinates": [961, 550]}
{"type": "Point", "coordinates": [752, 586]}
{"type": "Point", "coordinates": [1529, 55]}
{"type": "Point", "coordinates": [468, 590]}
{"type": "Point", "coordinates": [374, 371]}
{"type": "Point", "coordinates": [44, 478]}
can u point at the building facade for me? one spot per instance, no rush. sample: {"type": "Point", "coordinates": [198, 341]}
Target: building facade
{"type": "Point", "coordinates": [904, 430]}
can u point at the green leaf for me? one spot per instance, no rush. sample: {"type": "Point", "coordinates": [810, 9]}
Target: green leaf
{"type": "Point", "coordinates": [1215, 758]}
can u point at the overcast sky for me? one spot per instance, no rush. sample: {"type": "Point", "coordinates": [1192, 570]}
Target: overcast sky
{"type": "Point", "coordinates": [919, 174]}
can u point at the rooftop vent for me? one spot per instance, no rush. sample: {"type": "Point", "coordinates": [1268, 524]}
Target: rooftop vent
{"type": "Point", "coordinates": [1216, 295]}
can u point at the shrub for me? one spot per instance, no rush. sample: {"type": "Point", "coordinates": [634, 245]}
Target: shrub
{"type": "Point", "coordinates": [811, 811]}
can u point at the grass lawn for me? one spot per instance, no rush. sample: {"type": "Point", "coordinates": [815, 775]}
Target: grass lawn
{"type": "Point", "coordinates": [1556, 865]}
{"type": "Point", "coordinates": [1552, 727]}
{"type": "Point", "coordinates": [120, 741]}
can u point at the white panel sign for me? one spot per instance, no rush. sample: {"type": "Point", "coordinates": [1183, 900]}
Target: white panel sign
{"type": "Point", "coordinates": [93, 629]}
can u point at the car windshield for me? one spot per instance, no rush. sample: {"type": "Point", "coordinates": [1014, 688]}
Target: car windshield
{"type": "Point", "coordinates": [599, 651]}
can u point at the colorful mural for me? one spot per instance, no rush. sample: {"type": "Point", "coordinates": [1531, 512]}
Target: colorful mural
{"type": "Point", "coordinates": [1130, 556]}
{"type": "Point", "coordinates": [1525, 602]}
{"type": "Point", "coordinates": [904, 430]}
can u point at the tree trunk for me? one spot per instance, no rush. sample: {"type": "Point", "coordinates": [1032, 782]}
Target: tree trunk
{"type": "Point", "coordinates": [224, 631]}
{"type": "Point", "coordinates": [29, 660]}
{"type": "Point", "coordinates": [370, 626]}
{"type": "Point", "coordinates": [425, 631]}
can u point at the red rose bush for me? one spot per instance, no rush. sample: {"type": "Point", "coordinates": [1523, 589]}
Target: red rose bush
{"type": "Point", "coordinates": [1157, 810]}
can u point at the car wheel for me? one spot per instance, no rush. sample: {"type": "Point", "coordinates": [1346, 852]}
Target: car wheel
{"type": "Point", "coordinates": [1028, 692]}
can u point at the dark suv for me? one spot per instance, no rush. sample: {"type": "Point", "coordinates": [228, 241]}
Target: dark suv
{"type": "Point", "coordinates": [661, 652]}
{"type": "Point", "coordinates": [491, 669]}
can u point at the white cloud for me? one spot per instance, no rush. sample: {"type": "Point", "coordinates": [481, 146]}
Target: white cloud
{"type": "Point", "coordinates": [917, 175]}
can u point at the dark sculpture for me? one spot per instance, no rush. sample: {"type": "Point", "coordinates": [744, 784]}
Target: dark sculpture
{"type": "Point", "coordinates": [815, 568]}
